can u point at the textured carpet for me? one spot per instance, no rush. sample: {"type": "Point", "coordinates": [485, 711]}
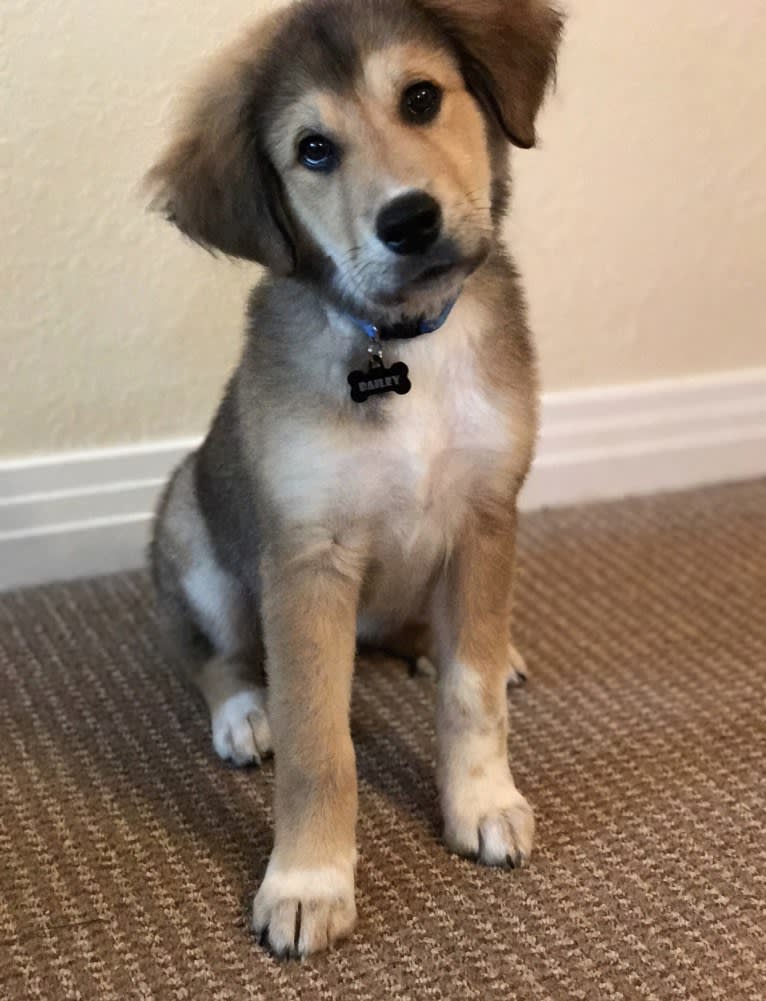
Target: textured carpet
{"type": "Point", "coordinates": [128, 853]}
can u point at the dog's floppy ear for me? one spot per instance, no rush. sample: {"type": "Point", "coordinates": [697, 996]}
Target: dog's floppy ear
{"type": "Point", "coordinates": [215, 182]}
{"type": "Point", "coordinates": [509, 49]}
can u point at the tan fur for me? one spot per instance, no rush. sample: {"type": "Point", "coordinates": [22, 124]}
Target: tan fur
{"type": "Point", "coordinates": [309, 627]}
{"type": "Point", "coordinates": [306, 524]}
{"type": "Point", "coordinates": [477, 789]}
{"type": "Point", "coordinates": [387, 157]}
{"type": "Point", "coordinates": [515, 42]}
{"type": "Point", "coordinates": [201, 180]}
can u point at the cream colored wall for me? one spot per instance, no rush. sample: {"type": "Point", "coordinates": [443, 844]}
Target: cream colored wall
{"type": "Point", "coordinates": [640, 224]}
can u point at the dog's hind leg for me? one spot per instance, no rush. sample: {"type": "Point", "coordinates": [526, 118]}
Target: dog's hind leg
{"type": "Point", "coordinates": [240, 725]}
{"type": "Point", "coordinates": [410, 644]}
{"type": "Point", "coordinates": [414, 644]}
{"type": "Point", "coordinates": [211, 625]}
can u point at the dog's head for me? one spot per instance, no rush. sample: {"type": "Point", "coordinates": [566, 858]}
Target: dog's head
{"type": "Point", "coordinates": [360, 144]}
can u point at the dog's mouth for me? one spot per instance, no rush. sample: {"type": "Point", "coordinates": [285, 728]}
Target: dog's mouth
{"type": "Point", "coordinates": [434, 279]}
{"type": "Point", "coordinates": [421, 287]}
{"type": "Point", "coordinates": [434, 273]}
{"type": "Point", "coordinates": [444, 261]}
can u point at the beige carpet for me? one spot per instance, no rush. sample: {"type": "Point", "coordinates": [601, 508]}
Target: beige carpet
{"type": "Point", "coordinates": [128, 853]}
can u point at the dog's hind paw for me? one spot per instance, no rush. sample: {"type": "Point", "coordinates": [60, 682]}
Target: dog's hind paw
{"type": "Point", "coordinates": [518, 672]}
{"type": "Point", "coordinates": [241, 731]}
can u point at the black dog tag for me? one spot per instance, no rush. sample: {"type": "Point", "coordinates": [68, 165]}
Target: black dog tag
{"type": "Point", "coordinates": [380, 380]}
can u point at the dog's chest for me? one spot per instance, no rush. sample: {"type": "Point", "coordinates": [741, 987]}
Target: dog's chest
{"type": "Point", "coordinates": [444, 447]}
{"type": "Point", "coordinates": [410, 473]}
{"type": "Point", "coordinates": [437, 445]}
{"type": "Point", "coordinates": [410, 476]}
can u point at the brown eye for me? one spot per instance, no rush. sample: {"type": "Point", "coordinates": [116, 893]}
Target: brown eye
{"type": "Point", "coordinates": [421, 103]}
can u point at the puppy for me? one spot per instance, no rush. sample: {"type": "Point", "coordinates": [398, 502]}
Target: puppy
{"type": "Point", "coordinates": [359, 481]}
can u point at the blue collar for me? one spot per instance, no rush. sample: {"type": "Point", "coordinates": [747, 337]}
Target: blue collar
{"type": "Point", "coordinates": [404, 331]}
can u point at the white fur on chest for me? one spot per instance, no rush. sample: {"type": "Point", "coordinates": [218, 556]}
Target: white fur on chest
{"type": "Point", "coordinates": [411, 476]}
{"type": "Point", "coordinates": [443, 439]}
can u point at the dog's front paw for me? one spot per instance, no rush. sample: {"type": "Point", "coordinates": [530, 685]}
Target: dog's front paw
{"type": "Point", "coordinates": [298, 912]}
{"type": "Point", "coordinates": [496, 825]}
{"type": "Point", "coordinates": [241, 731]}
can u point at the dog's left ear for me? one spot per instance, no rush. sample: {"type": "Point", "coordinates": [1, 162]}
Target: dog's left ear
{"type": "Point", "coordinates": [508, 49]}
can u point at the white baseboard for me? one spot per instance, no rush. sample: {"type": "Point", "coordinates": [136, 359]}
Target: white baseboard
{"type": "Point", "coordinates": [75, 515]}
{"type": "Point", "coordinates": [80, 514]}
{"type": "Point", "coordinates": [620, 441]}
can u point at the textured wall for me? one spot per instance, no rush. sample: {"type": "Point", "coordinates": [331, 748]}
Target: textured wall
{"type": "Point", "coordinates": [639, 224]}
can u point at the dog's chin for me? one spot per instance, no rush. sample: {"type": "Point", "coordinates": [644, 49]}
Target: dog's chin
{"type": "Point", "coordinates": [424, 294]}
{"type": "Point", "coordinates": [424, 297]}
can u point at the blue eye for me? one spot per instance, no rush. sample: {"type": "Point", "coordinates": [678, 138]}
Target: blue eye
{"type": "Point", "coordinates": [318, 153]}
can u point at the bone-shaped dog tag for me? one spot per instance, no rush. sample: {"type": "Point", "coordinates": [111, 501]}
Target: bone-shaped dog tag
{"type": "Point", "coordinates": [380, 380]}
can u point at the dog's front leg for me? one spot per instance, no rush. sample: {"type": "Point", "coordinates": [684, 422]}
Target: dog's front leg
{"type": "Point", "coordinates": [306, 900]}
{"type": "Point", "coordinates": [485, 816]}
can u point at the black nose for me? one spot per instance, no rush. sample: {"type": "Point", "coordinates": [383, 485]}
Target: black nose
{"type": "Point", "coordinates": [411, 223]}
